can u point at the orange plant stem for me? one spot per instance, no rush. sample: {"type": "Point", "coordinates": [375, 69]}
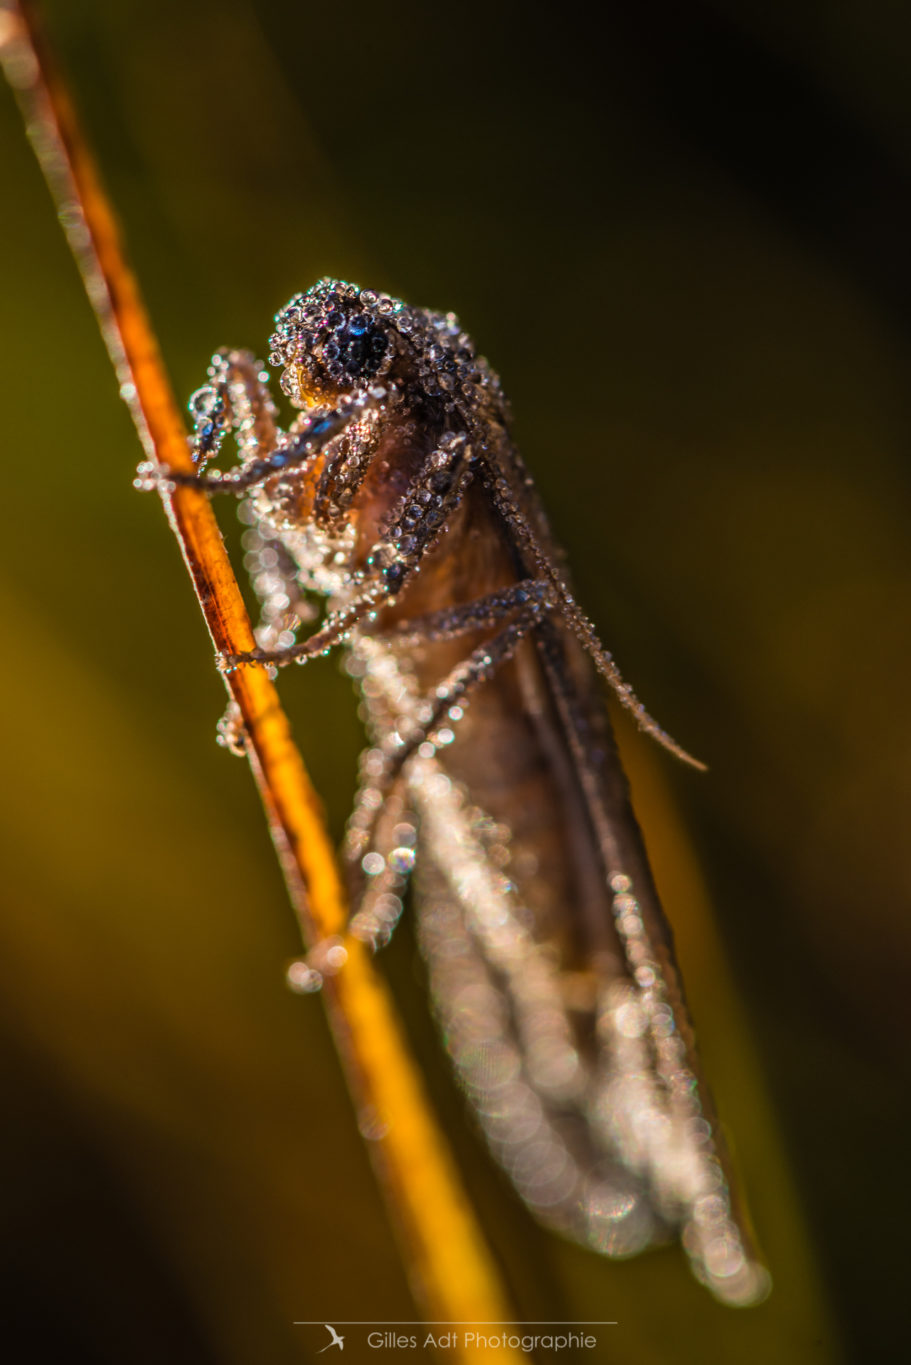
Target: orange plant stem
{"type": "Point", "coordinates": [449, 1265]}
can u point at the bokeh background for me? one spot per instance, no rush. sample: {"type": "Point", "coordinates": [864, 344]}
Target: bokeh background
{"type": "Point", "coordinates": [682, 237]}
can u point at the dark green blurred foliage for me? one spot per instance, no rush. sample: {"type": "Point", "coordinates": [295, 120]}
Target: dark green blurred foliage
{"type": "Point", "coordinates": [682, 239]}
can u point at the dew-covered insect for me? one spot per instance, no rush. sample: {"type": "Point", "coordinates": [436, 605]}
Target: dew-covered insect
{"type": "Point", "coordinates": [397, 494]}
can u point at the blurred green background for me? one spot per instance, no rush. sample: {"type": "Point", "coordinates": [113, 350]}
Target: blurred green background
{"type": "Point", "coordinates": [682, 238]}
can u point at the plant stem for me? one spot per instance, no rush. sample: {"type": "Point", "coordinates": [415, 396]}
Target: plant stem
{"type": "Point", "coordinates": [449, 1266]}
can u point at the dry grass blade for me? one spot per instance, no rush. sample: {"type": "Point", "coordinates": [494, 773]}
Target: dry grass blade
{"type": "Point", "coordinates": [449, 1265]}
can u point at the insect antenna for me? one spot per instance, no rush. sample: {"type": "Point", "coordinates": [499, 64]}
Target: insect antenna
{"type": "Point", "coordinates": [578, 622]}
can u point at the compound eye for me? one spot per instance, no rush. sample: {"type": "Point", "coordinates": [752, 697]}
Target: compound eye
{"type": "Point", "coordinates": [355, 348]}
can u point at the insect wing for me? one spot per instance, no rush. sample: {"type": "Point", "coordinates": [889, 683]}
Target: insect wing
{"type": "Point", "coordinates": [550, 960]}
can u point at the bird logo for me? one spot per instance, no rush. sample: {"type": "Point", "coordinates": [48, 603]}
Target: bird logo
{"type": "Point", "coordinates": [336, 1340]}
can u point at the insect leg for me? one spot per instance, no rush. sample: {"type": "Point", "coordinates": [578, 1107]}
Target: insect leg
{"type": "Point", "coordinates": [416, 524]}
{"type": "Point", "coordinates": [237, 392]}
{"type": "Point", "coordinates": [451, 622]}
{"type": "Point", "coordinates": [381, 834]}
{"type": "Point", "coordinates": [274, 577]}
{"type": "Point", "coordinates": [379, 802]}
{"type": "Point", "coordinates": [419, 727]}
{"type": "Point", "coordinates": [294, 449]}
{"type": "Point", "coordinates": [235, 398]}
{"type": "Point", "coordinates": [378, 877]}
{"type": "Point", "coordinates": [334, 631]}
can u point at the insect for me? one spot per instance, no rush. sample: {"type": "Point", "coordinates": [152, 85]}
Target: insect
{"type": "Point", "coordinates": [491, 775]}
